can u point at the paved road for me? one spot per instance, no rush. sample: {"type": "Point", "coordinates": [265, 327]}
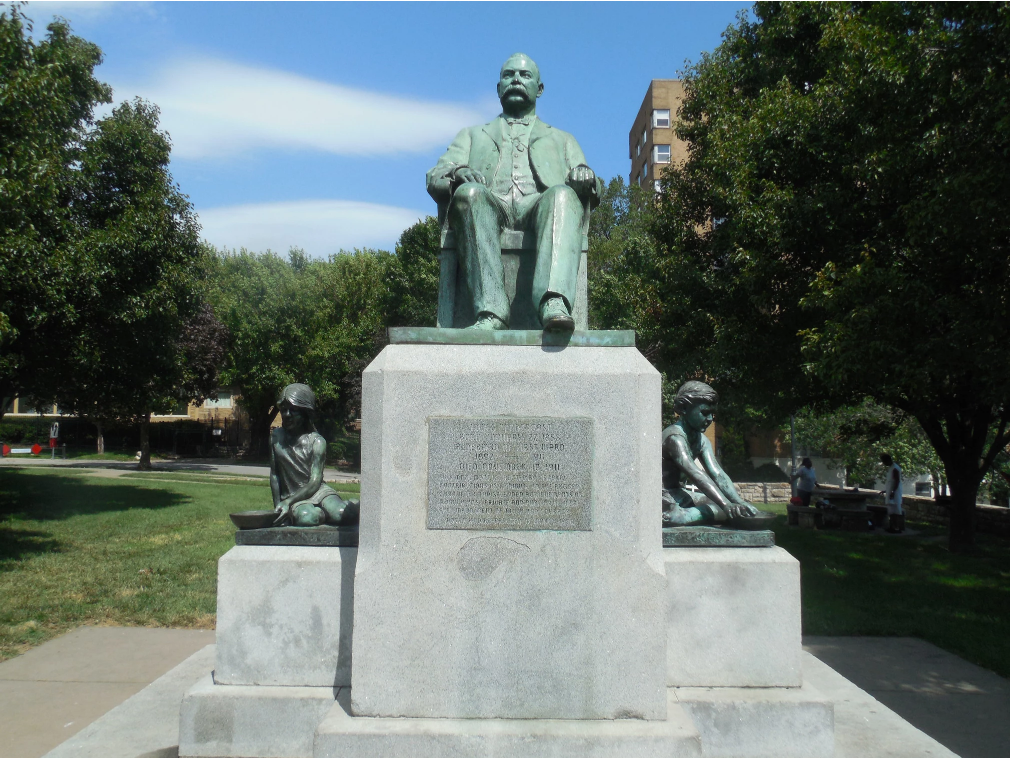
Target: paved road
{"type": "Point", "coordinates": [158, 465]}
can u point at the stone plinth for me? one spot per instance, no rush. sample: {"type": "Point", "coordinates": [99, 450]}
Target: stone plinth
{"type": "Point", "coordinates": [546, 622]}
{"type": "Point", "coordinates": [734, 617]}
{"type": "Point", "coordinates": [772, 722]}
{"type": "Point", "coordinates": [251, 721]}
{"type": "Point", "coordinates": [284, 616]}
{"type": "Point", "coordinates": [342, 735]}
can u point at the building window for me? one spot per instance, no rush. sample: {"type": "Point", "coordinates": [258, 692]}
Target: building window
{"type": "Point", "coordinates": [662, 154]}
{"type": "Point", "coordinates": [643, 172]}
{"type": "Point", "coordinates": [662, 118]}
{"type": "Point", "coordinates": [219, 400]}
{"type": "Point", "coordinates": [657, 185]}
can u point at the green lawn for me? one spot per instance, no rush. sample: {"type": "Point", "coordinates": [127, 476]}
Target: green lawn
{"type": "Point", "coordinates": [78, 549]}
{"type": "Point", "coordinates": [861, 584]}
{"type": "Point", "coordinates": [141, 549]}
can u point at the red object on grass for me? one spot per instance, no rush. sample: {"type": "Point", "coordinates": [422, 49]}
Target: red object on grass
{"type": "Point", "coordinates": [7, 450]}
{"type": "Point", "coordinates": [36, 449]}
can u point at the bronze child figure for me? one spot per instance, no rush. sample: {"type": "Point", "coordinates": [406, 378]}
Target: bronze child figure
{"type": "Point", "coordinates": [297, 454]}
{"type": "Point", "coordinates": [687, 457]}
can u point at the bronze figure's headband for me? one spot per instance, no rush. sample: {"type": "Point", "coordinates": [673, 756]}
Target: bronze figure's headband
{"type": "Point", "coordinates": [300, 395]}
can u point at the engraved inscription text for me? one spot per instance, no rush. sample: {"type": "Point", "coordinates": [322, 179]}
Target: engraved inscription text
{"type": "Point", "coordinates": [510, 473]}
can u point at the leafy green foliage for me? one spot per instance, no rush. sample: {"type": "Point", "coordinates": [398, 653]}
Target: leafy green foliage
{"type": "Point", "coordinates": [141, 284]}
{"type": "Point", "coordinates": [840, 229]}
{"type": "Point", "coordinates": [622, 283]}
{"type": "Point", "coordinates": [856, 436]}
{"type": "Point", "coordinates": [100, 267]}
{"type": "Point", "coordinates": [300, 320]}
{"type": "Point", "coordinates": [47, 95]}
{"type": "Point", "coordinates": [414, 276]}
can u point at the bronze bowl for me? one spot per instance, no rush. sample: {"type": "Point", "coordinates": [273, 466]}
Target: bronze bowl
{"type": "Point", "coordinates": [761, 521]}
{"type": "Point", "coordinates": [256, 518]}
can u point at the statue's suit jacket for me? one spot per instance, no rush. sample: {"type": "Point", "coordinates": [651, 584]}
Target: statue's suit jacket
{"type": "Point", "coordinates": [552, 153]}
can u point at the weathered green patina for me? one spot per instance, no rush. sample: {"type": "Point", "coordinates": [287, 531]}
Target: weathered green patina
{"type": "Point", "coordinates": [297, 454]}
{"type": "Point", "coordinates": [324, 535]}
{"type": "Point", "coordinates": [450, 337]}
{"type": "Point", "coordinates": [705, 535]}
{"type": "Point", "coordinates": [688, 458]}
{"type": "Point", "coordinates": [518, 173]}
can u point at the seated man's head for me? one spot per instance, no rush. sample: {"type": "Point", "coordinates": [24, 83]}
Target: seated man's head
{"type": "Point", "coordinates": [696, 403]}
{"type": "Point", "coordinates": [297, 405]}
{"type": "Point", "coordinates": [519, 84]}
{"type": "Point", "coordinates": [806, 462]}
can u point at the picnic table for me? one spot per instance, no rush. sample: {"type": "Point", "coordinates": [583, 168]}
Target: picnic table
{"type": "Point", "coordinates": [848, 510]}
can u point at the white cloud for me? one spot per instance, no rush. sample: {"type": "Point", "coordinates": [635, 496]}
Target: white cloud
{"type": "Point", "coordinates": [213, 108]}
{"type": "Point", "coordinates": [321, 227]}
{"type": "Point", "coordinates": [42, 11]}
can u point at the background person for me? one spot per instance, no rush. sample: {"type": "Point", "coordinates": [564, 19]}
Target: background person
{"type": "Point", "coordinates": [894, 495]}
{"type": "Point", "coordinates": [806, 481]}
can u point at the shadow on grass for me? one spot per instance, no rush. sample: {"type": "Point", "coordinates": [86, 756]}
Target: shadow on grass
{"type": "Point", "coordinates": [861, 584]}
{"type": "Point", "coordinates": [52, 496]}
{"type": "Point", "coordinates": [17, 544]}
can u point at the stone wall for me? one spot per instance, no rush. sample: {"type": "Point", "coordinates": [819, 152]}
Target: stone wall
{"type": "Point", "coordinates": [990, 519]}
{"type": "Point", "coordinates": [764, 493]}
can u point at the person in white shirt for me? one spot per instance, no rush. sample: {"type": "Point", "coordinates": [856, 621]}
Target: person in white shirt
{"type": "Point", "coordinates": [894, 495]}
{"type": "Point", "coordinates": [806, 481]}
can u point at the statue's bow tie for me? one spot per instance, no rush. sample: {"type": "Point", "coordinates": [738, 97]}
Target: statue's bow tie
{"type": "Point", "coordinates": [525, 122]}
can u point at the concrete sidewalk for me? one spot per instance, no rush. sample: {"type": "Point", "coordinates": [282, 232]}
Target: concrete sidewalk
{"type": "Point", "coordinates": [115, 467]}
{"type": "Point", "coordinates": [101, 692]}
{"type": "Point", "coordinates": [963, 706]}
{"type": "Point", "coordinates": [53, 691]}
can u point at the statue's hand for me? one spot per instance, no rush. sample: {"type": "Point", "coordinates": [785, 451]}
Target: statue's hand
{"type": "Point", "coordinates": [281, 510]}
{"type": "Point", "coordinates": [743, 509]}
{"type": "Point", "coordinates": [464, 174]}
{"type": "Point", "coordinates": [583, 180]}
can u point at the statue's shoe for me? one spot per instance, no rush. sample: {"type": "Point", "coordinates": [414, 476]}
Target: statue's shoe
{"type": "Point", "coordinates": [488, 322]}
{"type": "Point", "coordinates": [555, 317]}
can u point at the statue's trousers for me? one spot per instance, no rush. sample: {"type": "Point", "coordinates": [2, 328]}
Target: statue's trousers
{"type": "Point", "coordinates": [477, 217]}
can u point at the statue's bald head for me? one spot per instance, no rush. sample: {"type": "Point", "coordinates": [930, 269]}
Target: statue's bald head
{"type": "Point", "coordinates": [521, 61]}
{"type": "Point", "coordinates": [519, 85]}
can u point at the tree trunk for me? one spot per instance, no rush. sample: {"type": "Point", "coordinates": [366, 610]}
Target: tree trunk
{"type": "Point", "coordinates": [962, 517]}
{"type": "Point", "coordinates": [145, 461]}
{"type": "Point", "coordinates": [260, 430]}
{"type": "Point", "coordinates": [99, 438]}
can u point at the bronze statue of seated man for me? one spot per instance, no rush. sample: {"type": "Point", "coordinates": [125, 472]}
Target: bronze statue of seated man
{"type": "Point", "coordinates": [516, 172]}
{"type": "Point", "coordinates": [297, 454]}
{"type": "Point", "coordinates": [688, 458]}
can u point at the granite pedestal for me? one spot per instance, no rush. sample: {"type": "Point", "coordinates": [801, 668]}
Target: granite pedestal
{"type": "Point", "coordinates": [284, 616]}
{"type": "Point", "coordinates": [510, 594]}
{"type": "Point", "coordinates": [734, 617]}
{"type": "Point", "coordinates": [526, 602]}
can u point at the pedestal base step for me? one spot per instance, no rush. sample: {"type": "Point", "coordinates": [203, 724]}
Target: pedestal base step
{"type": "Point", "coordinates": [218, 720]}
{"type": "Point", "coordinates": [342, 735]}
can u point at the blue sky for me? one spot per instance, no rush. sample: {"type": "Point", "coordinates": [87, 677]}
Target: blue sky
{"type": "Point", "coordinates": [312, 124]}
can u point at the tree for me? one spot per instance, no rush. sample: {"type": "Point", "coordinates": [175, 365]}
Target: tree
{"type": "Point", "coordinates": [840, 228]}
{"type": "Point", "coordinates": [414, 276]}
{"type": "Point", "coordinates": [144, 341]}
{"type": "Point", "coordinates": [857, 435]}
{"type": "Point", "coordinates": [47, 96]}
{"type": "Point", "coordinates": [312, 322]}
